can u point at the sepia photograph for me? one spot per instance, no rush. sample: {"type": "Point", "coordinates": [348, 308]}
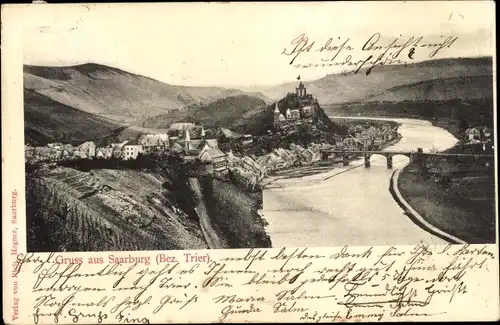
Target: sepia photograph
{"type": "Point", "coordinates": [152, 136]}
{"type": "Point", "coordinates": [309, 162]}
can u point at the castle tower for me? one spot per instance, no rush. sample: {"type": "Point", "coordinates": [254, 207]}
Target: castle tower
{"type": "Point", "coordinates": [203, 133]}
{"type": "Point", "coordinates": [187, 141]}
{"type": "Point", "coordinates": [301, 90]}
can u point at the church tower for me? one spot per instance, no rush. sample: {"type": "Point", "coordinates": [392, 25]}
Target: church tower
{"type": "Point", "coordinates": [276, 115]}
{"type": "Point", "coordinates": [187, 141]}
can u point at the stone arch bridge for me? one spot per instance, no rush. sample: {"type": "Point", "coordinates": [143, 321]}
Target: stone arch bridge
{"type": "Point", "coordinates": [412, 154]}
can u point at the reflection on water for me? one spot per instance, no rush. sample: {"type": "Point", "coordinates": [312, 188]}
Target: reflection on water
{"type": "Point", "coordinates": [351, 205]}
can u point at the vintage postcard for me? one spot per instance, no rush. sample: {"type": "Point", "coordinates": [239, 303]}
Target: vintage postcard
{"type": "Point", "coordinates": [249, 162]}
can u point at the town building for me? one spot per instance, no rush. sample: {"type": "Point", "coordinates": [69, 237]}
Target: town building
{"type": "Point", "coordinates": [87, 149]}
{"type": "Point", "coordinates": [152, 142]}
{"type": "Point", "coordinates": [226, 134]}
{"type": "Point", "coordinates": [307, 111]}
{"type": "Point", "coordinates": [69, 148]}
{"type": "Point", "coordinates": [43, 153]}
{"type": "Point", "coordinates": [472, 134]}
{"type": "Point", "coordinates": [216, 158]}
{"type": "Point", "coordinates": [131, 150]}
{"type": "Point", "coordinates": [251, 165]}
{"type": "Point", "coordinates": [246, 139]}
{"type": "Point", "coordinates": [205, 151]}
{"type": "Point", "coordinates": [54, 145]}
{"type": "Point", "coordinates": [279, 118]}
{"type": "Point", "coordinates": [194, 138]}
{"type": "Point", "coordinates": [117, 149]}
{"type": "Point", "coordinates": [104, 152]}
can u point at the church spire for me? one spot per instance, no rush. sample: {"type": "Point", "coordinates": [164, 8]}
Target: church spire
{"type": "Point", "coordinates": [276, 108]}
{"type": "Point", "coordinates": [187, 140]}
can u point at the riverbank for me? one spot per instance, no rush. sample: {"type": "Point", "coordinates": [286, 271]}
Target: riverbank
{"type": "Point", "coordinates": [414, 215]}
{"type": "Point", "coordinates": [446, 114]}
{"type": "Point", "coordinates": [463, 205]}
{"type": "Point", "coordinates": [350, 204]}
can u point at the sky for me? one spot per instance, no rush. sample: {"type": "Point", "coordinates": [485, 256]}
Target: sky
{"type": "Point", "coordinates": [242, 44]}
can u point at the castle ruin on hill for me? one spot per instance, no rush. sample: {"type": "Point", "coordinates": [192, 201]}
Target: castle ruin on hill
{"type": "Point", "coordinates": [295, 109]}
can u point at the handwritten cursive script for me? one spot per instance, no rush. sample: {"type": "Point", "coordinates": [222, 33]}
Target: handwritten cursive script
{"type": "Point", "coordinates": [306, 284]}
{"type": "Point", "coordinates": [365, 54]}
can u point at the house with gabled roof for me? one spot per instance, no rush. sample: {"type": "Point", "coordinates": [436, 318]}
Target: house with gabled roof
{"type": "Point", "coordinates": [216, 157]}
{"type": "Point", "coordinates": [88, 148]}
{"type": "Point", "coordinates": [154, 141]}
{"type": "Point", "coordinates": [104, 152]}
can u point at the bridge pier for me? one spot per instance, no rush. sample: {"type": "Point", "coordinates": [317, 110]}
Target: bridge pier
{"type": "Point", "coordinates": [345, 160]}
{"type": "Point", "coordinates": [367, 162]}
{"type": "Point", "coordinates": [389, 162]}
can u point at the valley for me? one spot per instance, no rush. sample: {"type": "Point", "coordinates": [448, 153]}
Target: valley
{"type": "Point", "coordinates": [131, 206]}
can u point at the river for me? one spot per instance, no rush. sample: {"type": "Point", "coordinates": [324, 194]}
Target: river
{"type": "Point", "coordinates": [351, 205]}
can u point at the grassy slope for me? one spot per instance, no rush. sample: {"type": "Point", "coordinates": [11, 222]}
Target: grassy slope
{"type": "Point", "coordinates": [476, 87]}
{"type": "Point", "coordinates": [94, 224]}
{"type": "Point", "coordinates": [222, 112]}
{"type": "Point", "coordinates": [88, 101]}
{"type": "Point", "coordinates": [465, 208]}
{"type": "Point", "coordinates": [115, 93]}
{"type": "Point", "coordinates": [46, 120]}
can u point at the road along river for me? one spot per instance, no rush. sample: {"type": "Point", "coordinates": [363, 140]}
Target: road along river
{"type": "Point", "coordinates": [351, 205]}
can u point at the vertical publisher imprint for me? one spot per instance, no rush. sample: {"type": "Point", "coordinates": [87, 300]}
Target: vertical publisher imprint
{"type": "Point", "coordinates": [13, 252]}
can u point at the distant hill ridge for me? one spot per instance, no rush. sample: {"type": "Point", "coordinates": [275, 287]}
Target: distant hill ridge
{"type": "Point", "coordinates": [344, 88]}
{"type": "Point", "coordinates": [117, 94]}
{"type": "Point", "coordinates": [91, 101]}
{"type": "Point", "coordinates": [466, 88]}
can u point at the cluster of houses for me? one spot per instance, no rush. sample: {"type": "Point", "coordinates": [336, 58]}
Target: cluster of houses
{"type": "Point", "coordinates": [367, 136]}
{"type": "Point", "coordinates": [59, 151]}
{"type": "Point", "coordinates": [478, 134]}
{"type": "Point", "coordinates": [125, 150]}
{"type": "Point", "coordinates": [251, 170]}
{"type": "Point", "coordinates": [189, 141]}
{"type": "Point", "coordinates": [281, 158]}
{"type": "Point", "coordinates": [246, 169]}
{"type": "Point", "coordinates": [479, 139]}
{"type": "Point", "coordinates": [193, 146]}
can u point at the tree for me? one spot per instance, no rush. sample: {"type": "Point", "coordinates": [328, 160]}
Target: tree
{"type": "Point", "coordinates": [304, 132]}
